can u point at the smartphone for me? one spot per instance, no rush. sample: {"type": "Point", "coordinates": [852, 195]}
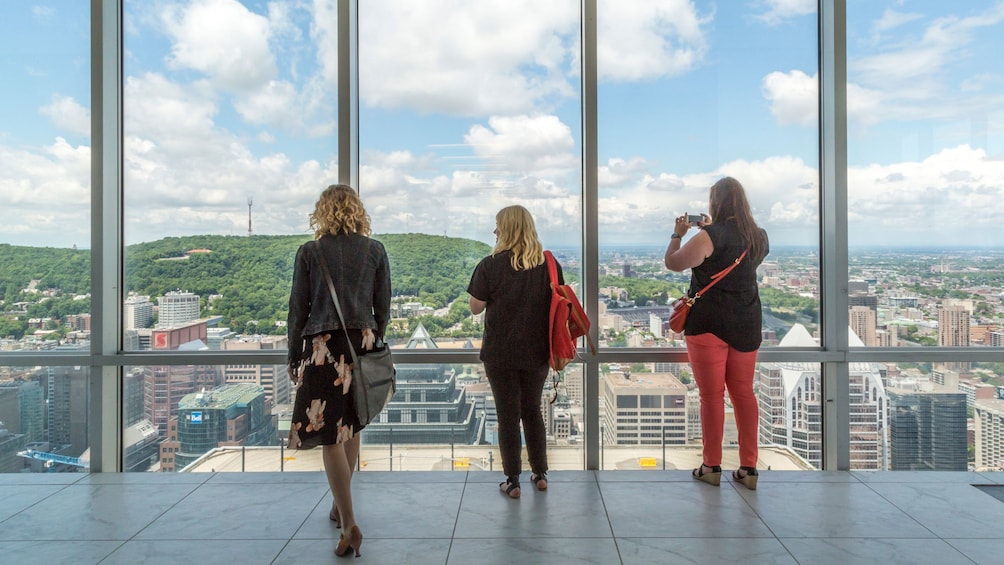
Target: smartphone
{"type": "Point", "coordinates": [694, 218]}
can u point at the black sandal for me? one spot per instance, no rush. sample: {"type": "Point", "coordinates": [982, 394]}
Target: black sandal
{"type": "Point", "coordinates": [538, 479]}
{"type": "Point", "coordinates": [748, 479]}
{"type": "Point", "coordinates": [712, 477]}
{"type": "Point", "coordinates": [510, 487]}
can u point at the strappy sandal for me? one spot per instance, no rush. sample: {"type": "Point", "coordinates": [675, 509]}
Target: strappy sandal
{"type": "Point", "coordinates": [510, 487]}
{"type": "Point", "coordinates": [539, 481]}
{"type": "Point", "coordinates": [712, 477]}
{"type": "Point", "coordinates": [748, 479]}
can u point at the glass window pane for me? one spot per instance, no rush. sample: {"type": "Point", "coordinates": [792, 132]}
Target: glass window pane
{"type": "Point", "coordinates": [465, 108]}
{"type": "Point", "coordinates": [45, 168]}
{"type": "Point", "coordinates": [43, 420]}
{"type": "Point", "coordinates": [925, 151]}
{"type": "Point", "coordinates": [229, 126]}
{"type": "Point", "coordinates": [690, 92]}
{"type": "Point", "coordinates": [202, 418]}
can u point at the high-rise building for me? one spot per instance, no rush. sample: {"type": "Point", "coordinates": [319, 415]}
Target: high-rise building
{"type": "Point", "coordinates": [177, 308]}
{"type": "Point", "coordinates": [231, 414]}
{"type": "Point", "coordinates": [927, 427]}
{"type": "Point", "coordinates": [989, 423]}
{"type": "Point", "coordinates": [643, 409]}
{"type": "Point", "coordinates": [790, 399]}
{"type": "Point", "coordinates": [67, 396]}
{"type": "Point", "coordinates": [22, 410]}
{"type": "Point", "coordinates": [862, 322]}
{"type": "Point", "coordinates": [953, 324]}
{"type": "Point", "coordinates": [137, 312]}
{"type": "Point", "coordinates": [272, 377]}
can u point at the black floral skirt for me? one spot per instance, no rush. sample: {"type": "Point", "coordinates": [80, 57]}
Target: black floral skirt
{"type": "Point", "coordinates": [323, 413]}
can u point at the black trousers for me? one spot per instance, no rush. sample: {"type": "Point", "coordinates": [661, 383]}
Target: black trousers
{"type": "Point", "coordinates": [517, 399]}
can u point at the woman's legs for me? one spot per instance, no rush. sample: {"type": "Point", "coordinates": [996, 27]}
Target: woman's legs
{"type": "Point", "coordinates": [739, 372]}
{"type": "Point", "coordinates": [708, 356]}
{"type": "Point", "coordinates": [531, 388]}
{"type": "Point", "coordinates": [339, 474]}
{"type": "Point", "coordinates": [506, 389]}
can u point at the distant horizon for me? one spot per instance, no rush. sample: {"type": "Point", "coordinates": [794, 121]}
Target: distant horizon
{"type": "Point", "coordinates": [602, 247]}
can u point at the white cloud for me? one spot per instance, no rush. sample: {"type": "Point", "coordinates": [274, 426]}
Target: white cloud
{"type": "Point", "coordinates": [776, 11]}
{"type": "Point", "coordinates": [643, 39]}
{"type": "Point", "coordinates": [222, 39]}
{"type": "Point", "coordinates": [68, 114]}
{"type": "Point", "coordinates": [891, 19]}
{"type": "Point", "coordinates": [909, 198]}
{"type": "Point", "coordinates": [455, 58]}
{"type": "Point", "coordinates": [524, 145]}
{"type": "Point", "coordinates": [793, 97]}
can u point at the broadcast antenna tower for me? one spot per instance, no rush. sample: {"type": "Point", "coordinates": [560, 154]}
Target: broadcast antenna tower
{"type": "Point", "coordinates": [250, 202]}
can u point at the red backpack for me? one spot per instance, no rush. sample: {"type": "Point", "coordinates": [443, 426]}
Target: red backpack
{"type": "Point", "coordinates": [567, 321]}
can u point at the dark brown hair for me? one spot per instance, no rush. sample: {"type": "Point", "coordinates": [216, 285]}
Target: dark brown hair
{"type": "Point", "coordinates": [728, 202]}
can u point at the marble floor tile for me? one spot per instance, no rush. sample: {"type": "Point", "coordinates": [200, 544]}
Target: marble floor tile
{"type": "Point", "coordinates": [173, 552]}
{"type": "Point", "coordinates": [522, 551]}
{"type": "Point", "coordinates": [830, 510]}
{"type": "Point", "coordinates": [690, 509]}
{"type": "Point", "coordinates": [895, 551]}
{"type": "Point", "coordinates": [983, 551]}
{"type": "Point", "coordinates": [700, 551]}
{"type": "Point", "coordinates": [228, 511]}
{"type": "Point", "coordinates": [572, 509]}
{"type": "Point", "coordinates": [56, 551]}
{"type": "Point", "coordinates": [949, 510]}
{"type": "Point", "coordinates": [95, 512]}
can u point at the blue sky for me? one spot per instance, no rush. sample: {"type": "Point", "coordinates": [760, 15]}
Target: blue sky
{"type": "Point", "coordinates": [475, 106]}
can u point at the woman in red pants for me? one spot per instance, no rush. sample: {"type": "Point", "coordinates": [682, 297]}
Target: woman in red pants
{"type": "Point", "coordinates": [723, 327]}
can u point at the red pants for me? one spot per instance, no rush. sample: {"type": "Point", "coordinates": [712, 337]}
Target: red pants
{"type": "Point", "coordinates": [717, 366]}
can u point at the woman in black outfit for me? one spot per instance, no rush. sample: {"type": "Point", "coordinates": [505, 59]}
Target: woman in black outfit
{"type": "Point", "coordinates": [319, 360]}
{"type": "Point", "coordinates": [723, 329]}
{"type": "Point", "coordinates": [513, 285]}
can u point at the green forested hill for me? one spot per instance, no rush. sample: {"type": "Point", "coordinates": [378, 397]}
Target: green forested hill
{"type": "Point", "coordinates": [251, 276]}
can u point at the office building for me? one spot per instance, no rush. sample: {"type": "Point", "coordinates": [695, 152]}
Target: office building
{"type": "Point", "coordinates": [643, 409]}
{"type": "Point", "coordinates": [231, 414]}
{"type": "Point", "coordinates": [862, 322]}
{"type": "Point", "coordinates": [137, 312]}
{"type": "Point", "coordinates": [989, 431]}
{"type": "Point", "coordinates": [927, 427]}
{"type": "Point", "coordinates": [177, 308]}
{"type": "Point", "coordinates": [273, 378]}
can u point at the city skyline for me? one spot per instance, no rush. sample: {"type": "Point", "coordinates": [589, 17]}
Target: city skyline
{"type": "Point", "coordinates": [461, 132]}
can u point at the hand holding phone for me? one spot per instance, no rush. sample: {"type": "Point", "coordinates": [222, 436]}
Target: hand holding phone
{"type": "Point", "coordinates": [694, 219]}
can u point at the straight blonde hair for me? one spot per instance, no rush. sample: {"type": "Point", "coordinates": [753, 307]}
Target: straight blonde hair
{"type": "Point", "coordinates": [517, 234]}
{"type": "Point", "coordinates": [339, 209]}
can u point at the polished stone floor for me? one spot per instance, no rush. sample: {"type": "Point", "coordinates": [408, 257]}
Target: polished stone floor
{"type": "Point", "coordinates": [460, 517]}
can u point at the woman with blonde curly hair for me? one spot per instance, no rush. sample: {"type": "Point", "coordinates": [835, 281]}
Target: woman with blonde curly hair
{"type": "Point", "coordinates": [319, 361]}
{"type": "Point", "coordinates": [513, 288]}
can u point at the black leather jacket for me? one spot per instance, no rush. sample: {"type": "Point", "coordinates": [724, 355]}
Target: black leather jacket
{"type": "Point", "coordinates": [361, 274]}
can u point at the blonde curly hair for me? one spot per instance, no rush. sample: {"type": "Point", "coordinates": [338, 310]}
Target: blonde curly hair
{"type": "Point", "coordinates": [339, 209]}
{"type": "Point", "coordinates": [517, 233]}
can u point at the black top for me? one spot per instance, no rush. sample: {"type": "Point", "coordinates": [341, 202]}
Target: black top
{"type": "Point", "coordinates": [731, 309]}
{"type": "Point", "coordinates": [516, 317]}
{"type": "Point", "coordinates": [360, 271]}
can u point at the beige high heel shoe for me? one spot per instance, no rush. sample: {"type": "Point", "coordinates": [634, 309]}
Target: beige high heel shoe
{"type": "Point", "coordinates": [352, 539]}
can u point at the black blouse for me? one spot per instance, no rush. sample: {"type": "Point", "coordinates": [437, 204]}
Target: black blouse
{"type": "Point", "coordinates": [731, 309]}
{"type": "Point", "coordinates": [516, 317]}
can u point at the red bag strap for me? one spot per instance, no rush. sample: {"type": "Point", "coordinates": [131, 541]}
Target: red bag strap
{"type": "Point", "coordinates": [552, 268]}
{"type": "Point", "coordinates": [719, 276]}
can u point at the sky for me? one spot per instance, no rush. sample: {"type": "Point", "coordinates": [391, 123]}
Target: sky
{"type": "Point", "coordinates": [466, 107]}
